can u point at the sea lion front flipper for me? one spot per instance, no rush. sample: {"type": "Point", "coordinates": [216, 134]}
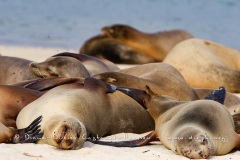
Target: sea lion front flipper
{"type": "Point", "coordinates": [49, 83]}
{"type": "Point", "coordinates": [95, 84]}
{"type": "Point", "coordinates": [217, 95]}
{"type": "Point", "coordinates": [134, 143]}
{"type": "Point", "coordinates": [29, 134]}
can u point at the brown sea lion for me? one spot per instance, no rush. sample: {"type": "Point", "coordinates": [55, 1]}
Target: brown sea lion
{"type": "Point", "coordinates": [76, 111]}
{"type": "Point", "coordinates": [205, 64]}
{"type": "Point", "coordinates": [13, 69]}
{"type": "Point", "coordinates": [13, 100]}
{"type": "Point", "coordinates": [164, 80]}
{"type": "Point", "coordinates": [194, 129]}
{"type": "Point", "coordinates": [71, 65]}
{"type": "Point", "coordinates": [102, 46]}
{"type": "Point", "coordinates": [154, 45]}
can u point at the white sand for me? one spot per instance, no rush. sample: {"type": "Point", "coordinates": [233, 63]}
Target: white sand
{"type": "Point", "coordinates": [89, 151]}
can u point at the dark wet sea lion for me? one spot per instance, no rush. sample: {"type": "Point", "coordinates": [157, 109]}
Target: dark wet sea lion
{"type": "Point", "coordinates": [102, 46]}
{"type": "Point", "coordinates": [155, 45]}
{"type": "Point", "coordinates": [77, 111]}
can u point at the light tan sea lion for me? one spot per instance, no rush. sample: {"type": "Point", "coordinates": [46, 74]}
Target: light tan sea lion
{"type": "Point", "coordinates": [194, 129]}
{"type": "Point", "coordinates": [154, 45]}
{"type": "Point", "coordinates": [26, 135]}
{"type": "Point", "coordinates": [102, 46]}
{"type": "Point", "coordinates": [71, 65]}
{"type": "Point", "coordinates": [13, 69]}
{"type": "Point", "coordinates": [73, 112]}
{"type": "Point", "coordinates": [13, 100]}
{"type": "Point", "coordinates": [205, 64]}
{"type": "Point", "coordinates": [164, 80]}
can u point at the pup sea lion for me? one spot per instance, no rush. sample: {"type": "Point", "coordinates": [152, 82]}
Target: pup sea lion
{"type": "Point", "coordinates": [13, 69]}
{"type": "Point", "coordinates": [76, 111]}
{"type": "Point", "coordinates": [13, 100]}
{"type": "Point", "coordinates": [71, 65]}
{"type": "Point", "coordinates": [195, 129]}
{"type": "Point", "coordinates": [26, 135]}
{"type": "Point", "coordinates": [154, 45]}
{"type": "Point", "coordinates": [205, 64]}
{"type": "Point", "coordinates": [102, 46]}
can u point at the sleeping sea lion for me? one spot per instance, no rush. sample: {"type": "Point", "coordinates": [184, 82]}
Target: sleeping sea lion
{"type": "Point", "coordinates": [154, 45]}
{"type": "Point", "coordinates": [13, 69]}
{"type": "Point", "coordinates": [102, 46]}
{"type": "Point", "coordinates": [76, 111]}
{"type": "Point", "coordinates": [13, 100]}
{"type": "Point", "coordinates": [164, 80]}
{"type": "Point", "coordinates": [71, 65]}
{"type": "Point", "coordinates": [205, 64]}
{"type": "Point", "coordinates": [194, 129]}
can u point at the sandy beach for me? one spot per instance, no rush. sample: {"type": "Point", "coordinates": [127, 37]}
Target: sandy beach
{"type": "Point", "coordinates": [89, 151]}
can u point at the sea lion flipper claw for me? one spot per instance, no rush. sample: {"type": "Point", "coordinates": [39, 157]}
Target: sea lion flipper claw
{"type": "Point", "coordinates": [29, 134]}
{"type": "Point", "coordinates": [217, 95]}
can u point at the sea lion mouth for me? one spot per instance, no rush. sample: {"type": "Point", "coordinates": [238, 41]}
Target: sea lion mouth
{"type": "Point", "coordinates": [35, 70]}
{"type": "Point", "coordinates": [64, 140]}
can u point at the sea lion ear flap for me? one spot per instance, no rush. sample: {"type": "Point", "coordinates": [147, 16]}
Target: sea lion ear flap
{"type": "Point", "coordinates": [217, 95]}
{"type": "Point", "coordinates": [149, 91]}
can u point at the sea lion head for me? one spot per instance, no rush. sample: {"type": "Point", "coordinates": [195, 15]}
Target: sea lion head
{"type": "Point", "coordinates": [192, 143]}
{"type": "Point", "coordinates": [65, 133]}
{"type": "Point", "coordinates": [59, 67]}
{"type": "Point", "coordinates": [118, 31]}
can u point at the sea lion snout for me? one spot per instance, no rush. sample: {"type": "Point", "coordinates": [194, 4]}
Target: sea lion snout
{"type": "Point", "coordinates": [69, 135]}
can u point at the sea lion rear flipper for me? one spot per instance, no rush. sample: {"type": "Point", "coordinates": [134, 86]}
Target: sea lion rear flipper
{"type": "Point", "coordinates": [134, 143]}
{"type": "Point", "coordinates": [29, 134]}
{"type": "Point", "coordinates": [217, 95]}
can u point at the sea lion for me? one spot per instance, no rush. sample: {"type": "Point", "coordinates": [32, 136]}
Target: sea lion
{"type": "Point", "coordinates": [76, 111]}
{"type": "Point", "coordinates": [13, 69]}
{"type": "Point", "coordinates": [13, 100]}
{"type": "Point", "coordinates": [164, 79]}
{"type": "Point", "coordinates": [205, 64]}
{"type": "Point", "coordinates": [102, 46]}
{"type": "Point", "coordinates": [194, 129]}
{"type": "Point", "coordinates": [154, 45]}
{"type": "Point", "coordinates": [26, 135]}
{"type": "Point", "coordinates": [71, 65]}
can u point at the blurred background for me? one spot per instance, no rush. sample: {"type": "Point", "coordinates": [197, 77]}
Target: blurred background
{"type": "Point", "coordinates": [67, 24]}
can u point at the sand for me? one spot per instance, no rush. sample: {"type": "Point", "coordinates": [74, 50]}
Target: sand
{"type": "Point", "coordinates": [89, 151]}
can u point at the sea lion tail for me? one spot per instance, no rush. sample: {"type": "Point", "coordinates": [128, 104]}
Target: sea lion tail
{"type": "Point", "coordinates": [134, 143]}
